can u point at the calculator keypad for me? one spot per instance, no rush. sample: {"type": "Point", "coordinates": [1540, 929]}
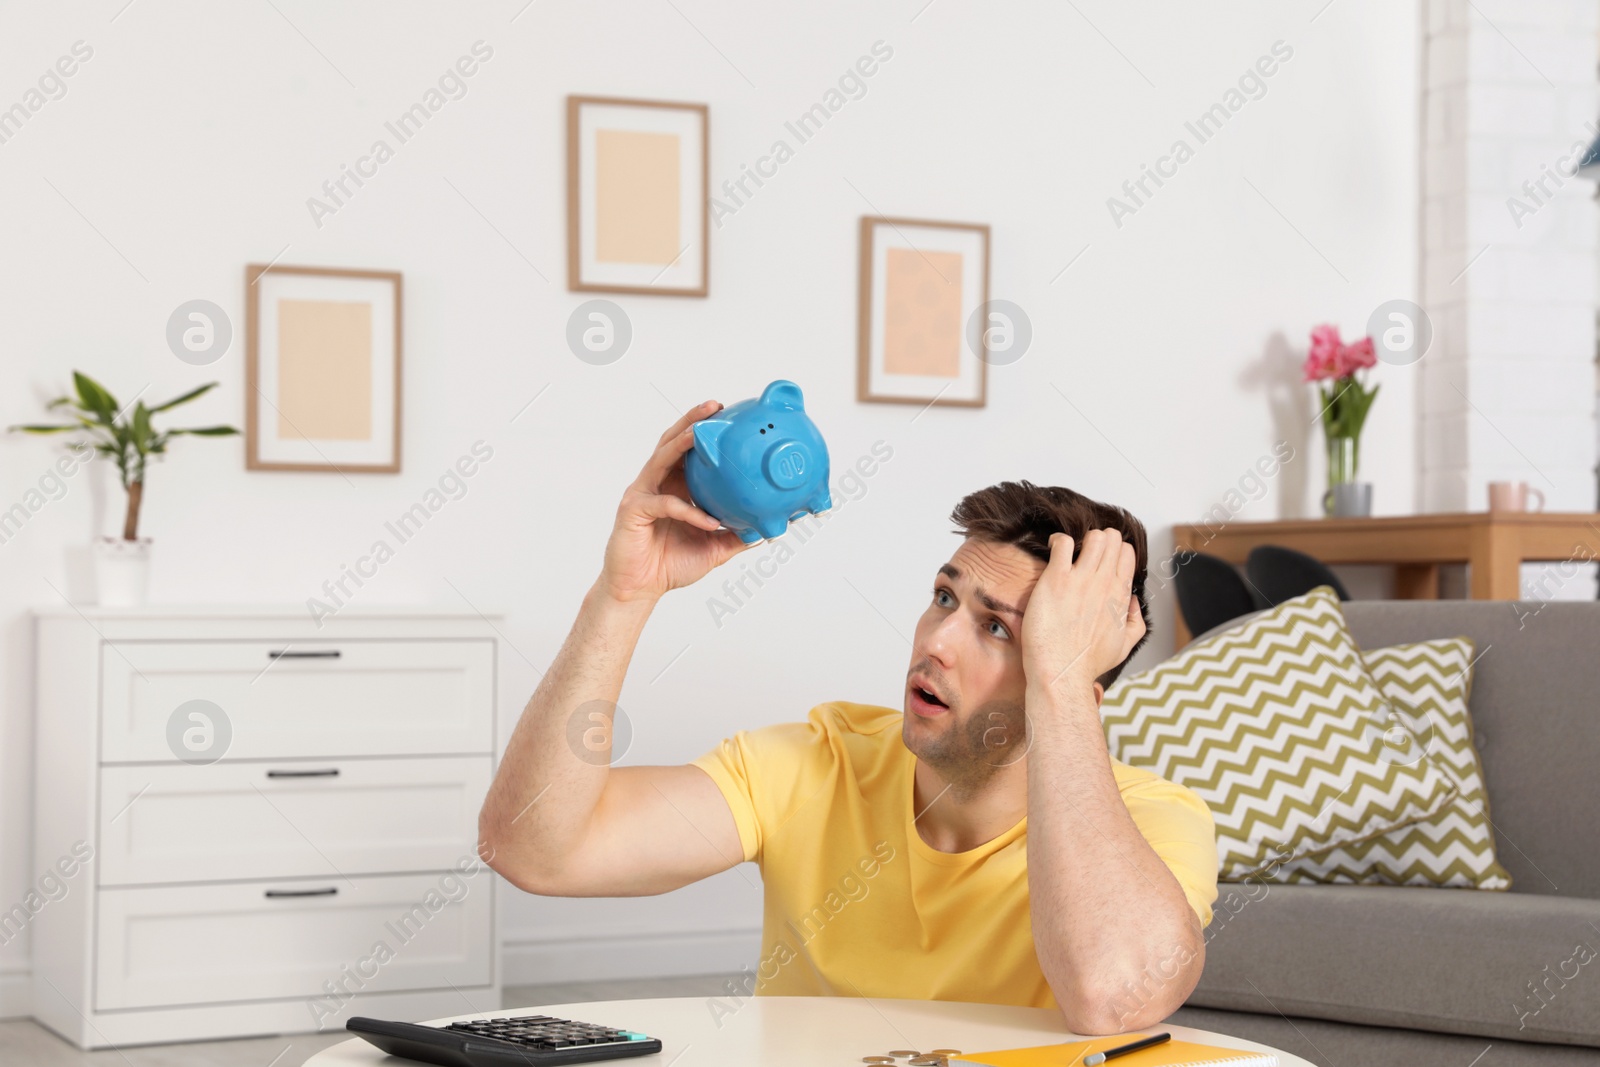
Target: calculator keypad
{"type": "Point", "coordinates": [545, 1032]}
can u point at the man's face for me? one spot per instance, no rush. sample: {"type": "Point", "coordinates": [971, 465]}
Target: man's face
{"type": "Point", "coordinates": [968, 652]}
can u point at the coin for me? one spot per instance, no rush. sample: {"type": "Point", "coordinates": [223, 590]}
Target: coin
{"type": "Point", "coordinates": [904, 1052]}
{"type": "Point", "coordinates": [945, 1052]}
{"type": "Point", "coordinates": [877, 1059]}
{"type": "Point", "coordinates": [928, 1061]}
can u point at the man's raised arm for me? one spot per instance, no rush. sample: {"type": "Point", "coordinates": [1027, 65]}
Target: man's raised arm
{"type": "Point", "coordinates": [1108, 914]}
{"type": "Point", "coordinates": [559, 824]}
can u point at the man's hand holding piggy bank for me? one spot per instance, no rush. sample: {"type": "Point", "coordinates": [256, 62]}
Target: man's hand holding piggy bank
{"type": "Point", "coordinates": [751, 468]}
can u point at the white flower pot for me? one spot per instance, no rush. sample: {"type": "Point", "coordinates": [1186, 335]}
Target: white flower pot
{"type": "Point", "coordinates": [121, 571]}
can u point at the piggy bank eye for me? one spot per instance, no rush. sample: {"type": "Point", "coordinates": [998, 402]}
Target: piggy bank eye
{"type": "Point", "coordinates": [769, 425]}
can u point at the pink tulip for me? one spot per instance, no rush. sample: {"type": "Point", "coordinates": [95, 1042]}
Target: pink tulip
{"type": "Point", "coordinates": [1358, 356]}
{"type": "Point", "coordinates": [1322, 361]}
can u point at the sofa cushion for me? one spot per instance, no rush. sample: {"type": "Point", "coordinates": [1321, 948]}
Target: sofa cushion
{"type": "Point", "coordinates": [1535, 722]}
{"type": "Point", "coordinates": [1276, 726]}
{"type": "Point", "coordinates": [1335, 1044]}
{"type": "Point", "coordinates": [1497, 965]}
{"type": "Point", "coordinates": [1426, 684]}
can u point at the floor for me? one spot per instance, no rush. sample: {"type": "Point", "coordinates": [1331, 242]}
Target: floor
{"type": "Point", "coordinates": [23, 1041]}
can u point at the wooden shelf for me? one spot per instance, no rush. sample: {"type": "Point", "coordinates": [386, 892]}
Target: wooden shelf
{"type": "Point", "coordinates": [1493, 544]}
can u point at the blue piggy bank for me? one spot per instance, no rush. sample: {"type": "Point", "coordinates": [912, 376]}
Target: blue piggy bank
{"type": "Point", "coordinates": [759, 463]}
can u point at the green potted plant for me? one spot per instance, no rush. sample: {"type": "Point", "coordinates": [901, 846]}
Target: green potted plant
{"type": "Point", "coordinates": [122, 564]}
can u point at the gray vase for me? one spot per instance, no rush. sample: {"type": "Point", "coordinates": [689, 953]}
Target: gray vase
{"type": "Point", "coordinates": [1348, 500]}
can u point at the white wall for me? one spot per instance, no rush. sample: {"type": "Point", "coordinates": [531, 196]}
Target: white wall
{"type": "Point", "coordinates": [1510, 244]}
{"type": "Point", "coordinates": [188, 145]}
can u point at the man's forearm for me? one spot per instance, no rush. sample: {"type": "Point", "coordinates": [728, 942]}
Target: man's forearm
{"type": "Point", "coordinates": [543, 797]}
{"type": "Point", "coordinates": [1105, 908]}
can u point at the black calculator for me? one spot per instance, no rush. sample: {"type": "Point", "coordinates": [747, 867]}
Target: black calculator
{"type": "Point", "coordinates": [521, 1040]}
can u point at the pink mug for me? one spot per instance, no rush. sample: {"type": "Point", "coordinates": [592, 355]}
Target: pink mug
{"type": "Point", "coordinates": [1514, 496]}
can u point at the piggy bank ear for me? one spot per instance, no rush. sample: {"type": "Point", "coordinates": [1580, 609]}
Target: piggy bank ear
{"type": "Point", "coordinates": [785, 395]}
{"type": "Point", "coordinates": [707, 433]}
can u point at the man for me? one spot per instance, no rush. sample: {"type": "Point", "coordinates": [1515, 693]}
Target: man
{"type": "Point", "coordinates": [979, 845]}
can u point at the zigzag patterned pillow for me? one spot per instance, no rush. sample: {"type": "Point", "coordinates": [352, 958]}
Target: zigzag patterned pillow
{"type": "Point", "coordinates": [1279, 728]}
{"type": "Point", "coordinates": [1427, 685]}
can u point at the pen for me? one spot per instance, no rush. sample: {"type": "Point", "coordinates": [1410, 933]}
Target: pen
{"type": "Point", "coordinates": [1122, 1050]}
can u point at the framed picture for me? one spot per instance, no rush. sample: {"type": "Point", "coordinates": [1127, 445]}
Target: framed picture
{"type": "Point", "coordinates": [636, 196]}
{"type": "Point", "coordinates": [921, 284]}
{"type": "Point", "coordinates": [322, 369]}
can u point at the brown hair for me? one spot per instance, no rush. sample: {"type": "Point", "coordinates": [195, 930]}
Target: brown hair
{"type": "Point", "coordinates": [1025, 515]}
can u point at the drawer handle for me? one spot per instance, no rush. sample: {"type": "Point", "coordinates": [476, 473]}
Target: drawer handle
{"type": "Point", "coordinates": [329, 772]}
{"type": "Point", "coordinates": [284, 653]}
{"type": "Point", "coordinates": [329, 891]}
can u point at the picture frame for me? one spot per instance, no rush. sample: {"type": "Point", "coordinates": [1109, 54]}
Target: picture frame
{"type": "Point", "coordinates": [921, 283]}
{"type": "Point", "coordinates": [638, 190]}
{"type": "Point", "coordinates": [323, 383]}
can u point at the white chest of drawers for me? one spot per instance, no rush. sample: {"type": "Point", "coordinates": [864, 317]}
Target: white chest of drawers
{"type": "Point", "coordinates": [269, 825]}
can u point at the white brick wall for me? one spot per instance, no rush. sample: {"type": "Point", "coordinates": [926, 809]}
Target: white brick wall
{"type": "Point", "coordinates": [1508, 390]}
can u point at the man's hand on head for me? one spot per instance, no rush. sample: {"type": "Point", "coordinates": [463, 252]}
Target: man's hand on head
{"type": "Point", "coordinates": [1082, 618]}
{"type": "Point", "coordinates": [1104, 903]}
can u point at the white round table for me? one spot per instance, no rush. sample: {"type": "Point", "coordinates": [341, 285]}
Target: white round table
{"type": "Point", "coordinates": [800, 1031]}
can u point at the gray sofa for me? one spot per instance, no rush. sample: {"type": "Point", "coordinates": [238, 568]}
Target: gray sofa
{"type": "Point", "coordinates": [1380, 975]}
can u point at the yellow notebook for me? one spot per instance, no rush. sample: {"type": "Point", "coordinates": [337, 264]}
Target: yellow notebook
{"type": "Point", "coordinates": [1172, 1053]}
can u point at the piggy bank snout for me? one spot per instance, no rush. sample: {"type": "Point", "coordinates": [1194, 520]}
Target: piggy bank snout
{"type": "Point", "coordinates": [788, 464]}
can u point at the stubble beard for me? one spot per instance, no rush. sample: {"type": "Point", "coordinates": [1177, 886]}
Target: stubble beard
{"type": "Point", "coordinates": [970, 753]}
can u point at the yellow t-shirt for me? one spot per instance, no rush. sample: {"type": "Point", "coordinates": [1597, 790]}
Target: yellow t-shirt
{"type": "Point", "coordinates": [858, 904]}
